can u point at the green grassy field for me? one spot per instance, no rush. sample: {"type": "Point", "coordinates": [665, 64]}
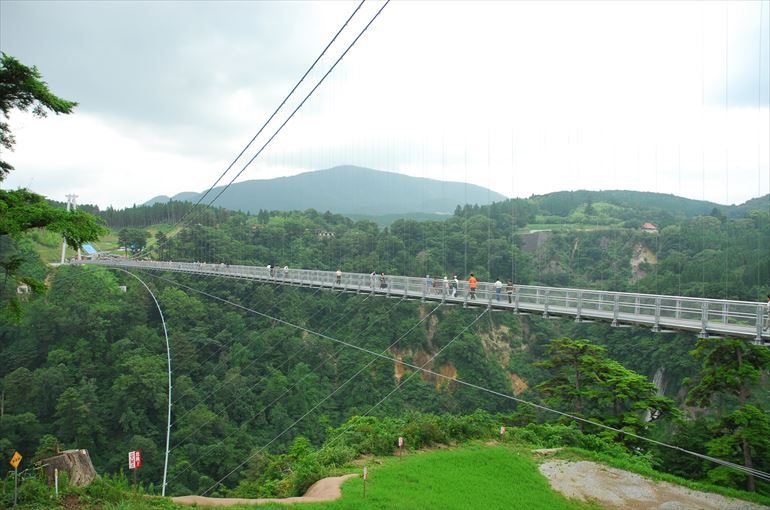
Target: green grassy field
{"type": "Point", "coordinates": [48, 245]}
{"type": "Point", "coordinates": [475, 476]}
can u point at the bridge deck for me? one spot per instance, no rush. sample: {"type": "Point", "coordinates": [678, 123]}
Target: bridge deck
{"type": "Point", "coordinates": [706, 317]}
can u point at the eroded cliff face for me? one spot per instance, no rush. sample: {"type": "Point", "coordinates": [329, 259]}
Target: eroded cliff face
{"type": "Point", "coordinates": [641, 255]}
{"type": "Point", "coordinates": [496, 342]}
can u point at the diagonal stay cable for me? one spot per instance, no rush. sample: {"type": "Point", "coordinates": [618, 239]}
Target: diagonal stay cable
{"type": "Point", "coordinates": [216, 352]}
{"type": "Point", "coordinates": [407, 379]}
{"type": "Point", "coordinates": [286, 360]}
{"type": "Point", "coordinates": [249, 365]}
{"type": "Point", "coordinates": [341, 316]}
{"type": "Point", "coordinates": [315, 367]}
{"type": "Point", "coordinates": [288, 389]}
{"type": "Point", "coordinates": [301, 104]}
{"type": "Point", "coordinates": [277, 303]}
{"type": "Point", "coordinates": [327, 397]}
{"type": "Point", "coordinates": [757, 473]}
{"type": "Point", "coordinates": [296, 86]}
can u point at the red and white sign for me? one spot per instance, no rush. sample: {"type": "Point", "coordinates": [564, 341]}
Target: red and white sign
{"type": "Point", "coordinates": [135, 459]}
{"type": "Point", "coordinates": [502, 430]}
{"type": "Point", "coordinates": [400, 442]}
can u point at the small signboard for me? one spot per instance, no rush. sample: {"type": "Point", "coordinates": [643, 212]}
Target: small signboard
{"type": "Point", "coordinates": [15, 460]}
{"type": "Point", "coordinates": [400, 442]}
{"type": "Point", "coordinates": [135, 459]}
{"type": "Point", "coordinates": [366, 473]}
{"type": "Point", "coordinates": [502, 430]}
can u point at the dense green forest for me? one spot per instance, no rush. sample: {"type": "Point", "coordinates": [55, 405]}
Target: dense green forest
{"type": "Point", "coordinates": [590, 243]}
{"type": "Point", "coordinates": [84, 364]}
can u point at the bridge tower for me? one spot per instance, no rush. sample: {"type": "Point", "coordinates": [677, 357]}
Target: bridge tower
{"type": "Point", "coordinates": [71, 201]}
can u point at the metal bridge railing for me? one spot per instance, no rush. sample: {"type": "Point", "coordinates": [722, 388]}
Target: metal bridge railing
{"type": "Point", "coordinates": [659, 312]}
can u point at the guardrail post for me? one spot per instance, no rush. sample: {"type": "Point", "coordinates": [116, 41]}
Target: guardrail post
{"type": "Point", "coordinates": [517, 293]}
{"type": "Point", "coordinates": [579, 311]}
{"type": "Point", "coordinates": [760, 315]}
{"type": "Point", "coordinates": [616, 311]}
{"type": "Point", "coordinates": [704, 319]}
{"type": "Point", "coordinates": [656, 326]}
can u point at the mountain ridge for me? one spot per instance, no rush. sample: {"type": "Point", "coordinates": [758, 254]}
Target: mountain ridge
{"type": "Point", "coordinates": [362, 190]}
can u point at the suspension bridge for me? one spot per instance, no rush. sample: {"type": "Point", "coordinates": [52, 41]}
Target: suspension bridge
{"type": "Point", "coordinates": [660, 313]}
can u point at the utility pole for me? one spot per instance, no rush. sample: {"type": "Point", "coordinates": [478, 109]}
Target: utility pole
{"type": "Point", "coordinates": [71, 201]}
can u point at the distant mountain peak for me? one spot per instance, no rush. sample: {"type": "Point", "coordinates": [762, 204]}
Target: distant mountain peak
{"type": "Point", "coordinates": [348, 189]}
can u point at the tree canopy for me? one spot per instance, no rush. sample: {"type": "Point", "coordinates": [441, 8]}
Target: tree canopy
{"type": "Point", "coordinates": [21, 88]}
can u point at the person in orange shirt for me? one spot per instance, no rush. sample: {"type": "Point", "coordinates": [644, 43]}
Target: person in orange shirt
{"type": "Point", "coordinates": [472, 285]}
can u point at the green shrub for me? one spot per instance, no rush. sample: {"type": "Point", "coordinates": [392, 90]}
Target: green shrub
{"type": "Point", "coordinates": [335, 456]}
{"type": "Point", "coordinates": [34, 491]}
{"type": "Point", "coordinates": [304, 474]}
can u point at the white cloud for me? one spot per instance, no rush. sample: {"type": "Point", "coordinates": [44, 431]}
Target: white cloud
{"type": "Point", "coordinates": [523, 97]}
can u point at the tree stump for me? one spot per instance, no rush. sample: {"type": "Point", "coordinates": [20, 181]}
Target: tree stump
{"type": "Point", "coordinates": [76, 463]}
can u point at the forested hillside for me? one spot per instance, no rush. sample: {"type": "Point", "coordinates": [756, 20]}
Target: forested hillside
{"type": "Point", "coordinates": [84, 364]}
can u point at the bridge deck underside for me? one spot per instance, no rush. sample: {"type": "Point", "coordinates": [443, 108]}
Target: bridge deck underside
{"type": "Point", "coordinates": [705, 317]}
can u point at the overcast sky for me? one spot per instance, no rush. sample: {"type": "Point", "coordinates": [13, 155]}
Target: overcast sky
{"type": "Point", "coordinates": [522, 97]}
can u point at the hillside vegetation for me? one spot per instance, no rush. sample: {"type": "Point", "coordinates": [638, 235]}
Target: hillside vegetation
{"type": "Point", "coordinates": [84, 363]}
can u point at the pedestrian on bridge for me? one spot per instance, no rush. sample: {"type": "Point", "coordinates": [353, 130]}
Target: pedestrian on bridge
{"type": "Point", "coordinates": [339, 276]}
{"type": "Point", "coordinates": [455, 284]}
{"type": "Point", "coordinates": [446, 286]}
{"type": "Point", "coordinates": [372, 277]}
{"type": "Point", "coordinates": [509, 290]}
{"type": "Point", "coordinates": [498, 288]}
{"type": "Point", "coordinates": [472, 285]}
{"type": "Point", "coordinates": [428, 283]}
{"type": "Point", "coordinates": [383, 281]}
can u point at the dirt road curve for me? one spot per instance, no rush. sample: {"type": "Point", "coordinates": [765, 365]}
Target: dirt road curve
{"type": "Point", "coordinates": [614, 488]}
{"type": "Point", "coordinates": [327, 489]}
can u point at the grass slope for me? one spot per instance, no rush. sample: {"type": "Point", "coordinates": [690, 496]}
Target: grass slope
{"type": "Point", "coordinates": [475, 476]}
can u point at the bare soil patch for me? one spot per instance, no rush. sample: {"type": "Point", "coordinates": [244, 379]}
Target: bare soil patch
{"type": "Point", "coordinates": [327, 489]}
{"type": "Point", "coordinates": [615, 488]}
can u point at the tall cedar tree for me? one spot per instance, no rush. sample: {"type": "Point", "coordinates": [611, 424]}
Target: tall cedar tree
{"type": "Point", "coordinates": [733, 367]}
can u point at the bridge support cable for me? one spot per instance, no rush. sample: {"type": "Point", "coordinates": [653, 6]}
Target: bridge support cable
{"type": "Point", "coordinates": [340, 349]}
{"type": "Point", "coordinates": [276, 304]}
{"type": "Point", "coordinates": [180, 442]}
{"type": "Point", "coordinates": [315, 367]}
{"type": "Point", "coordinates": [229, 380]}
{"type": "Point", "coordinates": [291, 115]}
{"type": "Point", "coordinates": [280, 128]}
{"type": "Point", "coordinates": [168, 357]}
{"type": "Point", "coordinates": [410, 376]}
{"type": "Point", "coordinates": [327, 397]}
{"type": "Point", "coordinates": [182, 361]}
{"type": "Point", "coordinates": [275, 112]}
{"type": "Point", "coordinates": [738, 467]}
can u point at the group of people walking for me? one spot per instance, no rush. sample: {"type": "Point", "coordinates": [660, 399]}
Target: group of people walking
{"type": "Point", "coordinates": [450, 287]}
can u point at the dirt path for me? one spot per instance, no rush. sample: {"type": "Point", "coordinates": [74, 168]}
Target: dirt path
{"type": "Point", "coordinates": [327, 489]}
{"type": "Point", "coordinates": [614, 488]}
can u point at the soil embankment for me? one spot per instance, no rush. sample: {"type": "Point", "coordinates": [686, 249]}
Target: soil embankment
{"type": "Point", "coordinates": [327, 489]}
{"type": "Point", "coordinates": [615, 488]}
